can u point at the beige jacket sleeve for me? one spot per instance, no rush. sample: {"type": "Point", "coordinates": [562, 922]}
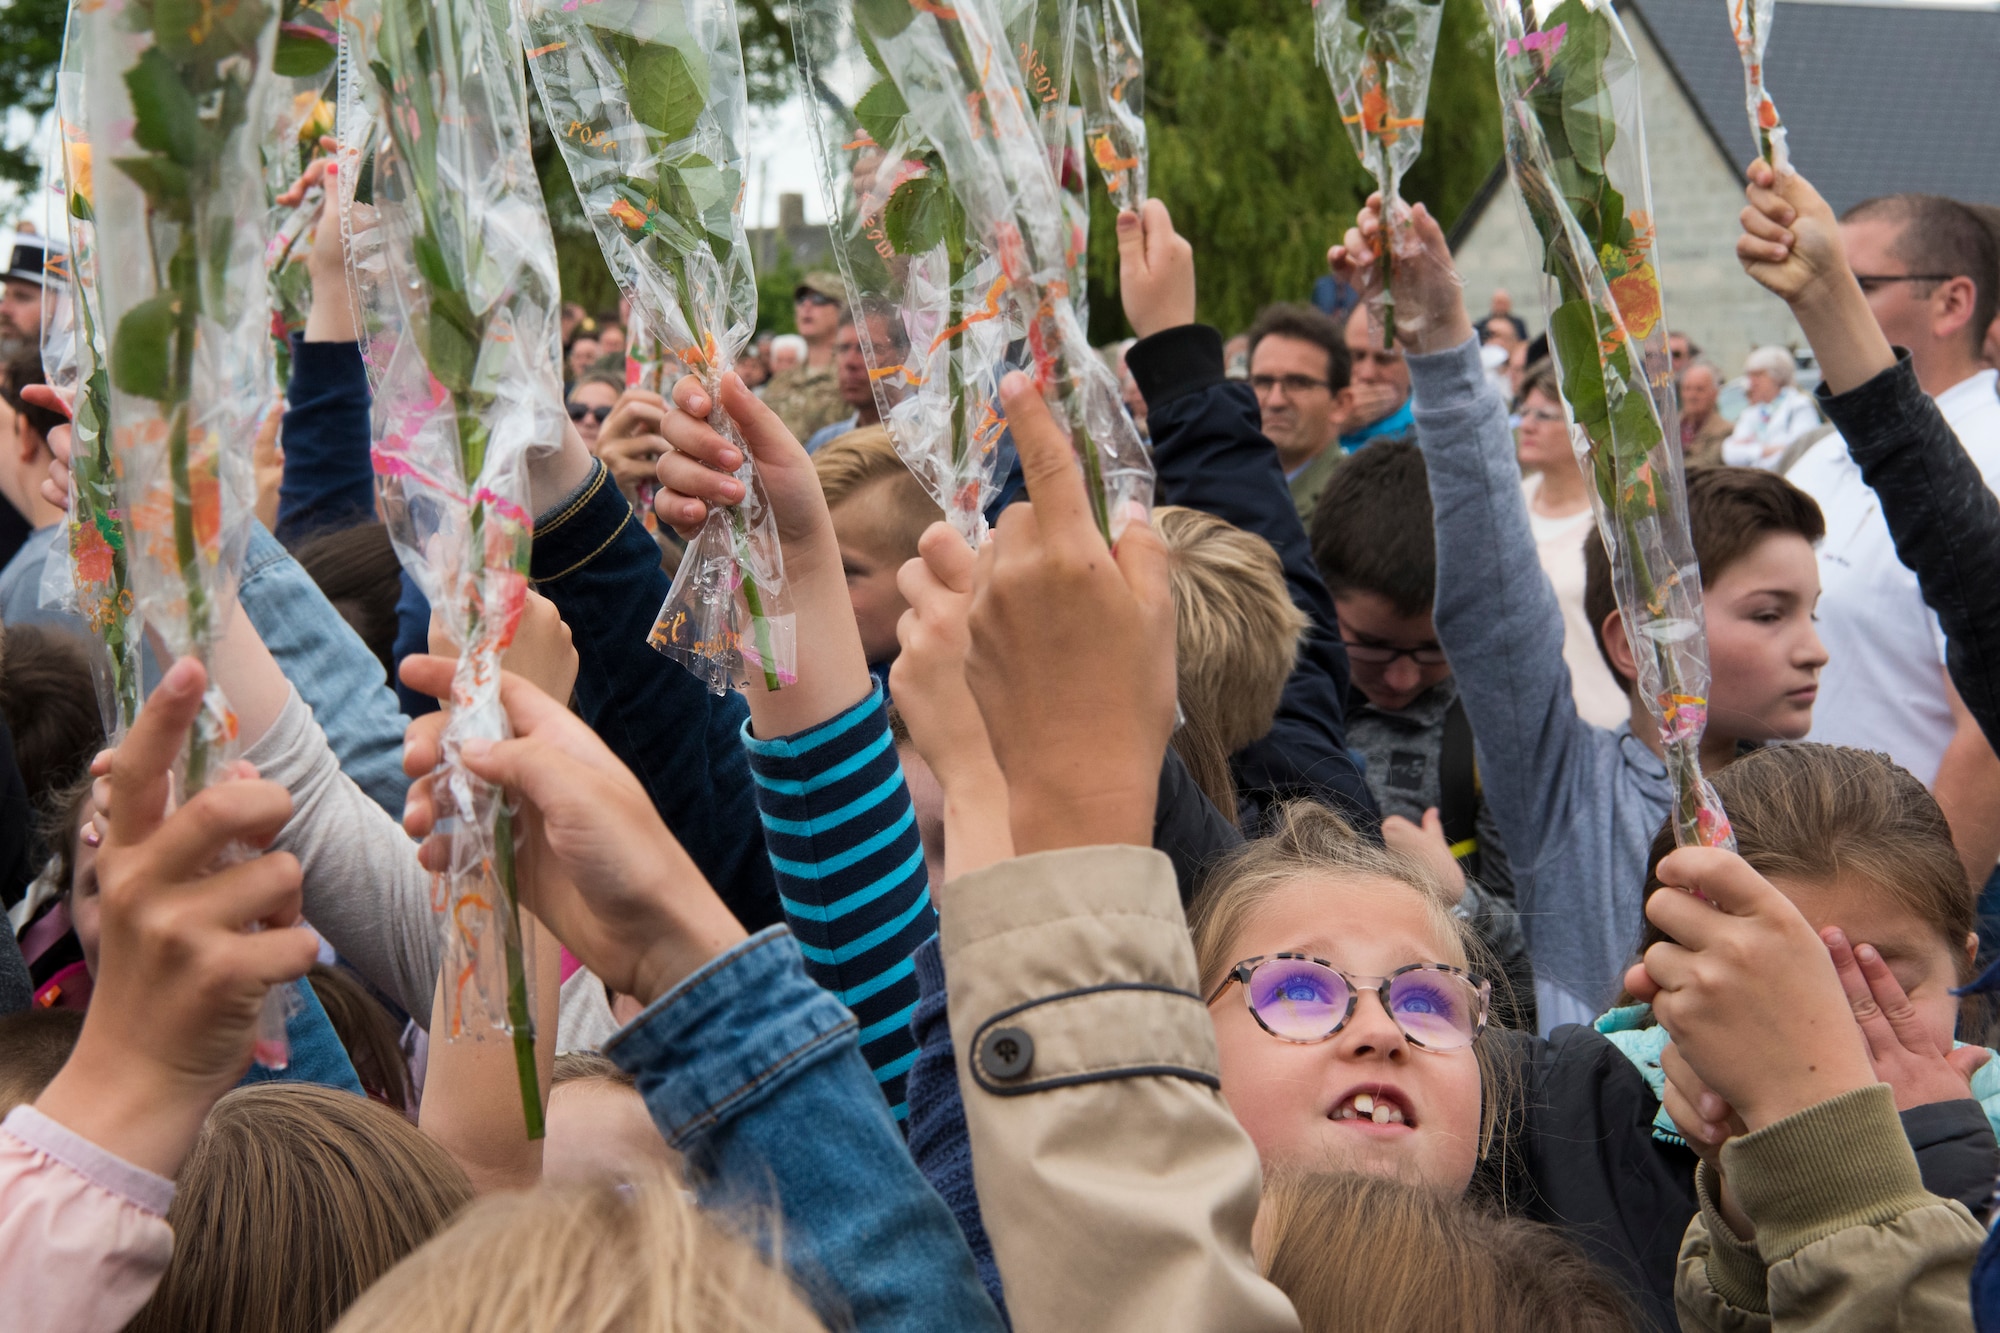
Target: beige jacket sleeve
{"type": "Point", "coordinates": [1847, 1238]}
{"type": "Point", "coordinates": [1117, 1188]}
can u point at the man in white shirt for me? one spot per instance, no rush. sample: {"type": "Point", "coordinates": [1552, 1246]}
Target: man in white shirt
{"type": "Point", "coordinates": [1929, 268]}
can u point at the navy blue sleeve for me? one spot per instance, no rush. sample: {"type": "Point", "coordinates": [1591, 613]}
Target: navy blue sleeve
{"type": "Point", "coordinates": [329, 482]}
{"type": "Point", "coordinates": [850, 872]}
{"type": "Point", "coordinates": [599, 566]}
{"type": "Point", "coordinates": [1211, 454]}
{"type": "Point", "coordinates": [413, 635]}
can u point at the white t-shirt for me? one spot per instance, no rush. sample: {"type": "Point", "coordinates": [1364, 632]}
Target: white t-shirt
{"type": "Point", "coordinates": [1559, 543]}
{"type": "Point", "coordinates": [1884, 686]}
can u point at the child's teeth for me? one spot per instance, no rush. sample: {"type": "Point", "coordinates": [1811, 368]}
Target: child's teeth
{"type": "Point", "coordinates": [1364, 1104]}
{"type": "Point", "coordinates": [1380, 1115]}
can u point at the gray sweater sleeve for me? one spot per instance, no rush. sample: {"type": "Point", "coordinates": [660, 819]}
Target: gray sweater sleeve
{"type": "Point", "coordinates": [364, 890]}
{"type": "Point", "coordinates": [1549, 777]}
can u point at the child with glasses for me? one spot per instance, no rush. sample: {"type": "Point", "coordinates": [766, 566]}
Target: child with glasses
{"type": "Point", "coordinates": [1371, 538]}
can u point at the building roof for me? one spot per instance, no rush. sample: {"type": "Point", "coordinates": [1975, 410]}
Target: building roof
{"type": "Point", "coordinates": [1878, 98]}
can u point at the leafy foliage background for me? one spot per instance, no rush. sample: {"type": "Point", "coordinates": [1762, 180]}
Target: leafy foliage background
{"type": "Point", "coordinates": [1246, 146]}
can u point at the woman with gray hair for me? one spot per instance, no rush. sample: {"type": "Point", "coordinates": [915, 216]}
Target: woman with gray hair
{"type": "Point", "coordinates": [1779, 411]}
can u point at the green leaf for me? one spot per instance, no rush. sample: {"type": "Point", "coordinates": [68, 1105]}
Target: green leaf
{"type": "Point", "coordinates": [166, 118]}
{"type": "Point", "coordinates": [1573, 334]}
{"type": "Point", "coordinates": [205, 32]}
{"type": "Point", "coordinates": [300, 54]}
{"type": "Point", "coordinates": [79, 207]}
{"type": "Point", "coordinates": [1634, 428]}
{"type": "Point", "coordinates": [666, 89]}
{"type": "Point", "coordinates": [164, 181]}
{"type": "Point", "coordinates": [142, 348]}
{"type": "Point", "coordinates": [883, 18]}
{"type": "Point", "coordinates": [364, 179]}
{"type": "Point", "coordinates": [881, 111]}
{"type": "Point", "coordinates": [917, 214]}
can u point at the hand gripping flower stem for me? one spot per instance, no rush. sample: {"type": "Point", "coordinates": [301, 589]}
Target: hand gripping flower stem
{"type": "Point", "coordinates": [1575, 148]}
{"type": "Point", "coordinates": [1750, 22]}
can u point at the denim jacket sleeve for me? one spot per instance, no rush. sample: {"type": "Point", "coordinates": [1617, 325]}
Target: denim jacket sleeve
{"type": "Point", "coordinates": [329, 481]}
{"type": "Point", "coordinates": [329, 665]}
{"type": "Point", "coordinates": [602, 570]}
{"type": "Point", "coordinates": [1211, 454]}
{"type": "Point", "coordinates": [1942, 516]}
{"type": "Point", "coordinates": [752, 1071]}
{"type": "Point", "coordinates": [850, 871]}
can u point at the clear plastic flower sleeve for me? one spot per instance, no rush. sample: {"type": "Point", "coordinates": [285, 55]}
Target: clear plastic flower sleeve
{"type": "Point", "coordinates": [1750, 21]}
{"type": "Point", "coordinates": [1111, 81]}
{"type": "Point", "coordinates": [1575, 145]}
{"type": "Point", "coordinates": [469, 386]}
{"type": "Point", "coordinates": [962, 90]}
{"type": "Point", "coordinates": [647, 101]}
{"type": "Point", "coordinates": [918, 281]}
{"type": "Point", "coordinates": [1377, 55]}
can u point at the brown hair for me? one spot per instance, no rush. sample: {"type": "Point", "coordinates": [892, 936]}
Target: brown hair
{"type": "Point", "coordinates": [1372, 528]}
{"type": "Point", "coordinates": [1236, 631]}
{"type": "Point", "coordinates": [50, 703]}
{"type": "Point", "coordinates": [1539, 378]}
{"type": "Point", "coordinates": [1309, 841]}
{"type": "Point", "coordinates": [1306, 324]}
{"type": "Point", "coordinates": [860, 459]}
{"type": "Point", "coordinates": [34, 1045]}
{"type": "Point", "coordinates": [1940, 235]}
{"type": "Point", "coordinates": [1374, 1255]}
{"type": "Point", "coordinates": [370, 1037]}
{"type": "Point", "coordinates": [1730, 511]}
{"type": "Point", "coordinates": [358, 571]}
{"type": "Point", "coordinates": [294, 1201]}
{"type": "Point", "coordinates": [1822, 814]}
{"type": "Point", "coordinates": [588, 1067]}
{"type": "Point", "coordinates": [584, 1259]}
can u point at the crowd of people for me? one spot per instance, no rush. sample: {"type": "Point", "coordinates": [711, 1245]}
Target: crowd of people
{"type": "Point", "coordinates": [1272, 921]}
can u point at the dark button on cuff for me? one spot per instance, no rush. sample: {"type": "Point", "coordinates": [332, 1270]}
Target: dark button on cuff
{"type": "Point", "coordinates": [1007, 1052]}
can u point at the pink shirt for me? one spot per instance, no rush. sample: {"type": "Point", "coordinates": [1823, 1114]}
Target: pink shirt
{"type": "Point", "coordinates": [83, 1234]}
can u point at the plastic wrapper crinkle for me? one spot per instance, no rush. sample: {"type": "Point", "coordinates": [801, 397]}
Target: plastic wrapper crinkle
{"type": "Point", "coordinates": [468, 388]}
{"type": "Point", "coordinates": [173, 100]}
{"type": "Point", "coordinates": [647, 100]}
{"type": "Point", "coordinates": [1569, 98]}
{"type": "Point", "coordinates": [1750, 21]}
{"type": "Point", "coordinates": [923, 289]}
{"type": "Point", "coordinates": [1377, 55]}
{"type": "Point", "coordinates": [961, 89]}
{"type": "Point", "coordinates": [1111, 76]}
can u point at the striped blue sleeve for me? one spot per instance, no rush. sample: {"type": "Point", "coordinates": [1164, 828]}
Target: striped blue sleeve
{"type": "Point", "coordinates": [850, 870]}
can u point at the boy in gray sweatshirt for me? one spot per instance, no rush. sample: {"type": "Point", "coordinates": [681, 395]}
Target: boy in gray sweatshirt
{"type": "Point", "coordinates": [1578, 805]}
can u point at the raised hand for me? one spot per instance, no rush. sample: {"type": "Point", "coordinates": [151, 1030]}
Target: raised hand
{"type": "Point", "coordinates": [1905, 1054]}
{"type": "Point", "coordinates": [1746, 989]}
{"type": "Point", "coordinates": [1155, 270]}
{"type": "Point", "coordinates": [697, 469]}
{"type": "Point", "coordinates": [1706, 1122]}
{"type": "Point", "coordinates": [1072, 651]}
{"type": "Point", "coordinates": [1426, 843]}
{"type": "Point", "coordinates": [1791, 240]}
{"type": "Point", "coordinates": [180, 979]}
{"type": "Point", "coordinates": [1430, 296]}
{"type": "Point", "coordinates": [928, 683]}
{"type": "Point", "coordinates": [597, 865]}
{"type": "Point", "coordinates": [630, 441]}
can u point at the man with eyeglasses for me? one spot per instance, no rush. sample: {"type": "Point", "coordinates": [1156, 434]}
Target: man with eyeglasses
{"type": "Point", "coordinates": [807, 396]}
{"type": "Point", "coordinates": [1929, 269]}
{"type": "Point", "coordinates": [1380, 409]}
{"type": "Point", "coordinates": [1298, 370]}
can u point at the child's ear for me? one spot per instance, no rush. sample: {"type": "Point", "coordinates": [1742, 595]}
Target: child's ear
{"type": "Point", "coordinates": [1972, 949]}
{"type": "Point", "coordinates": [1618, 648]}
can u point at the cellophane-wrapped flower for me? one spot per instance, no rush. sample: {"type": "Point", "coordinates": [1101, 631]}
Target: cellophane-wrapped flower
{"type": "Point", "coordinates": [962, 90]}
{"type": "Point", "coordinates": [1377, 55]}
{"type": "Point", "coordinates": [925, 293]}
{"type": "Point", "coordinates": [1111, 77]}
{"type": "Point", "coordinates": [647, 100]}
{"type": "Point", "coordinates": [1576, 148]}
{"type": "Point", "coordinates": [173, 96]}
{"type": "Point", "coordinates": [1750, 21]}
{"type": "Point", "coordinates": [93, 581]}
{"type": "Point", "coordinates": [469, 384]}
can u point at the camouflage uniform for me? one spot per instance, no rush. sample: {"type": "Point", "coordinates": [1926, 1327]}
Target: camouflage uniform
{"type": "Point", "coordinates": [806, 399]}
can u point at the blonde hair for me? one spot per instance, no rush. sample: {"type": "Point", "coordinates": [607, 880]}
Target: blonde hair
{"type": "Point", "coordinates": [1367, 1254]}
{"type": "Point", "coordinates": [584, 1259]}
{"type": "Point", "coordinates": [861, 458]}
{"type": "Point", "coordinates": [1236, 632]}
{"type": "Point", "coordinates": [1309, 842]}
{"type": "Point", "coordinates": [293, 1201]}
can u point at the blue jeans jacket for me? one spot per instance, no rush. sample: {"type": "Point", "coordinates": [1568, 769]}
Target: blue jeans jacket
{"type": "Point", "coordinates": [753, 1072]}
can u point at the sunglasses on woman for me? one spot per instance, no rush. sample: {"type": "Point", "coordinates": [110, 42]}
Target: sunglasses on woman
{"type": "Point", "coordinates": [577, 412]}
{"type": "Point", "coordinates": [1306, 1000]}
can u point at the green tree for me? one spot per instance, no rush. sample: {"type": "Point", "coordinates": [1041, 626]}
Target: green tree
{"type": "Point", "coordinates": [31, 33]}
{"type": "Point", "coordinates": [1248, 152]}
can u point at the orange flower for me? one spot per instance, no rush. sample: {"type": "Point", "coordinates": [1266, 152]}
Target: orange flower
{"type": "Point", "coordinates": [626, 215]}
{"type": "Point", "coordinates": [1637, 293]}
{"type": "Point", "coordinates": [1378, 116]}
{"type": "Point", "coordinates": [91, 553]}
{"type": "Point", "coordinates": [76, 165]}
